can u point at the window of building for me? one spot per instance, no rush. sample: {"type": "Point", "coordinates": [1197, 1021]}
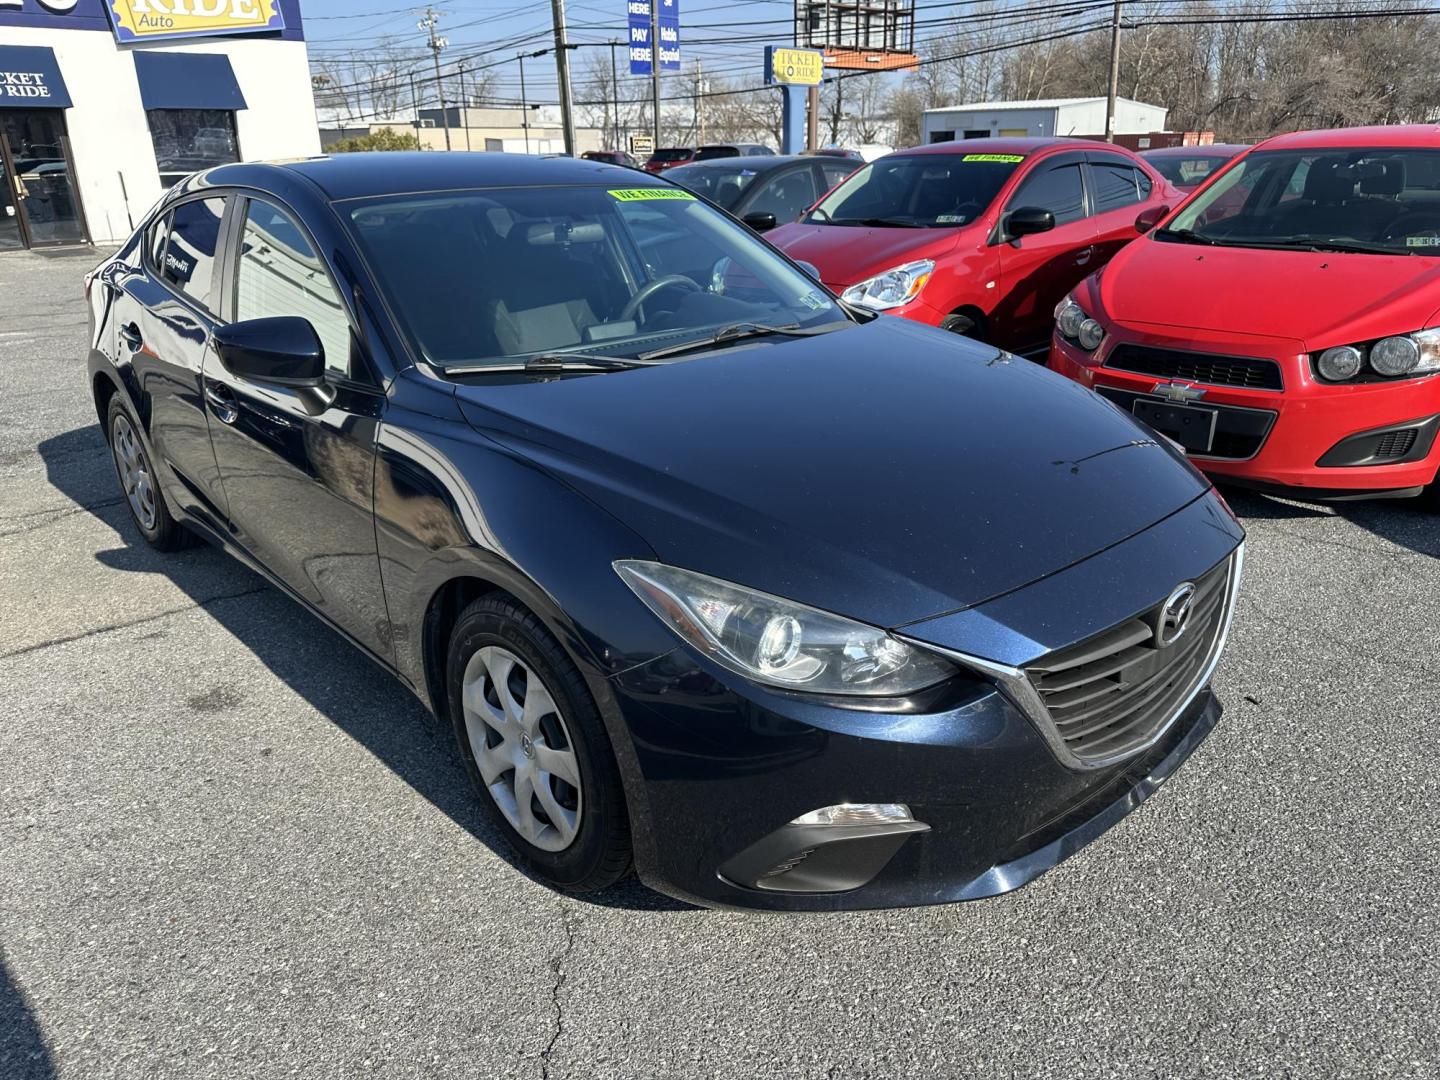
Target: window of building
{"type": "Point", "coordinates": [280, 274]}
{"type": "Point", "coordinates": [187, 140]}
{"type": "Point", "coordinates": [187, 261]}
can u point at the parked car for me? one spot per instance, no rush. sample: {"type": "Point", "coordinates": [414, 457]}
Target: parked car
{"type": "Point", "coordinates": [1187, 167]}
{"type": "Point", "coordinates": [763, 192]}
{"type": "Point", "coordinates": [790, 605]}
{"type": "Point", "coordinates": [730, 150]}
{"type": "Point", "coordinates": [836, 152]}
{"type": "Point", "coordinates": [611, 157]}
{"type": "Point", "coordinates": [1289, 339]}
{"type": "Point", "coordinates": [983, 236]}
{"type": "Point", "coordinates": [668, 158]}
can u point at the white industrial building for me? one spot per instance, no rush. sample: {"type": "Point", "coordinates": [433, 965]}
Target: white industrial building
{"type": "Point", "coordinates": [1047, 117]}
{"type": "Point", "coordinates": [105, 103]}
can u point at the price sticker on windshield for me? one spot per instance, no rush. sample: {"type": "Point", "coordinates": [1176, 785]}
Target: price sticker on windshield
{"type": "Point", "coordinates": [1008, 159]}
{"type": "Point", "coordinates": [648, 193]}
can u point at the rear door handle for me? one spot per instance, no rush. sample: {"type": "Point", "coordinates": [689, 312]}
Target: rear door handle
{"type": "Point", "coordinates": [222, 401]}
{"type": "Point", "coordinates": [130, 335]}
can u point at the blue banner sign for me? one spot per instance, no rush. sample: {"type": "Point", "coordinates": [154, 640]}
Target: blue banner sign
{"type": "Point", "coordinates": [668, 27]}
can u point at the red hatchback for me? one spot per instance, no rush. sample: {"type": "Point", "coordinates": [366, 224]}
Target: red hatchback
{"type": "Point", "coordinates": [980, 236]}
{"type": "Point", "coordinates": [1284, 324]}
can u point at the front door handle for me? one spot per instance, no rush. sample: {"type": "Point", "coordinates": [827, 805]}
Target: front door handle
{"type": "Point", "coordinates": [1083, 255]}
{"type": "Point", "coordinates": [130, 335]}
{"type": "Point", "coordinates": [222, 401]}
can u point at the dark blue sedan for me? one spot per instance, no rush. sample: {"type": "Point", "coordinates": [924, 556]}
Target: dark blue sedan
{"type": "Point", "coordinates": [780, 603]}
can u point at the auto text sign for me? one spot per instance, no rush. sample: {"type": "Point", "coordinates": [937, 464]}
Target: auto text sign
{"type": "Point", "coordinates": [667, 24]}
{"type": "Point", "coordinates": [794, 67]}
{"type": "Point", "coordinates": [147, 20]}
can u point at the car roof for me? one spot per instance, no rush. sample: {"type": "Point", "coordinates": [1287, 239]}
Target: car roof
{"type": "Point", "coordinates": [1007, 145]}
{"type": "Point", "coordinates": [358, 175]}
{"type": "Point", "coordinates": [1208, 150]}
{"type": "Point", "coordinates": [759, 162]}
{"type": "Point", "coordinates": [1387, 135]}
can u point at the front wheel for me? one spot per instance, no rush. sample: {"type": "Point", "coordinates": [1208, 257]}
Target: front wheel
{"type": "Point", "coordinates": [535, 747]}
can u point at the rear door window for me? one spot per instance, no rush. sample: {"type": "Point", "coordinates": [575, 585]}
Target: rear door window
{"type": "Point", "coordinates": [787, 195]}
{"type": "Point", "coordinates": [187, 263]}
{"type": "Point", "coordinates": [1117, 185]}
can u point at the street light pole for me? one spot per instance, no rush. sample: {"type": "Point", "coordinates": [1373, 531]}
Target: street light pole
{"type": "Point", "coordinates": [464, 106]}
{"type": "Point", "coordinates": [655, 70]}
{"type": "Point", "coordinates": [615, 91]}
{"type": "Point", "coordinates": [429, 22]}
{"type": "Point", "coordinates": [562, 71]}
{"type": "Point", "coordinates": [524, 105]}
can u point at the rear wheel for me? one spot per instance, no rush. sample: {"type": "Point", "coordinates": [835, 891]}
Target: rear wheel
{"type": "Point", "coordinates": [136, 474]}
{"type": "Point", "coordinates": [535, 747]}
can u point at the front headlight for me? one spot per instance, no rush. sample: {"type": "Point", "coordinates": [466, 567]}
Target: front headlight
{"type": "Point", "coordinates": [896, 286]}
{"type": "Point", "coordinates": [779, 642]}
{"type": "Point", "coordinates": [1396, 357]}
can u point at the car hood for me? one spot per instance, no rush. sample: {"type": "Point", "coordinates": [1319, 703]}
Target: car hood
{"type": "Point", "coordinates": [887, 471]}
{"type": "Point", "coordinates": [1317, 298]}
{"type": "Point", "coordinates": [845, 254]}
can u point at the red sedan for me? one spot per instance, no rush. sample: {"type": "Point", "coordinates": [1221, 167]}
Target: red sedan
{"type": "Point", "coordinates": [979, 236]}
{"type": "Point", "coordinates": [1284, 324]}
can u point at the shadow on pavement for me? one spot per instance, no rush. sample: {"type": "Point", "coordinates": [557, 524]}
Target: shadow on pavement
{"type": "Point", "coordinates": [368, 704]}
{"type": "Point", "coordinates": [23, 1055]}
{"type": "Point", "coordinates": [1409, 523]}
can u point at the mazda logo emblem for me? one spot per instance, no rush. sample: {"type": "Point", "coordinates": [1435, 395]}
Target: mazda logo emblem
{"type": "Point", "coordinates": [1175, 614]}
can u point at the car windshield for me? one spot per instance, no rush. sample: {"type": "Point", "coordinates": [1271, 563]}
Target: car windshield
{"type": "Point", "coordinates": [1186, 170]}
{"type": "Point", "coordinates": [721, 184]}
{"type": "Point", "coordinates": [1366, 201]}
{"type": "Point", "coordinates": [488, 278]}
{"type": "Point", "coordinates": [917, 191]}
{"type": "Point", "coordinates": [670, 155]}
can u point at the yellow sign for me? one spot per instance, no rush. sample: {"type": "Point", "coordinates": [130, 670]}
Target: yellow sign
{"type": "Point", "coordinates": [146, 20]}
{"type": "Point", "coordinates": [796, 67]}
{"type": "Point", "coordinates": [1008, 159]}
{"type": "Point", "coordinates": [643, 193]}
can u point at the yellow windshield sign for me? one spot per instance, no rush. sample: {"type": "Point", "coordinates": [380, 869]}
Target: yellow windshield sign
{"type": "Point", "coordinates": [1009, 159]}
{"type": "Point", "coordinates": [641, 194]}
{"type": "Point", "coordinates": [144, 20]}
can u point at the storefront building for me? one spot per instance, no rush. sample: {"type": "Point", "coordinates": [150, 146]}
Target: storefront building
{"type": "Point", "coordinates": [105, 103]}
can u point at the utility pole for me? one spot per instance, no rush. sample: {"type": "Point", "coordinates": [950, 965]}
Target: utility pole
{"type": "Point", "coordinates": [562, 70]}
{"type": "Point", "coordinates": [524, 105]}
{"type": "Point", "coordinates": [464, 106]}
{"type": "Point", "coordinates": [428, 23]}
{"type": "Point", "coordinates": [615, 90]}
{"type": "Point", "coordinates": [1114, 73]}
{"type": "Point", "coordinates": [699, 123]}
{"type": "Point", "coordinates": [655, 69]}
{"type": "Point", "coordinates": [415, 103]}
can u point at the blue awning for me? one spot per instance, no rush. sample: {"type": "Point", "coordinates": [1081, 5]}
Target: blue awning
{"type": "Point", "coordinates": [176, 80]}
{"type": "Point", "coordinates": [30, 79]}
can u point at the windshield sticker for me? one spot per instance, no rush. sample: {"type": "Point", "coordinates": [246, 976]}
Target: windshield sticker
{"type": "Point", "coordinates": [814, 301]}
{"type": "Point", "coordinates": [1422, 241]}
{"type": "Point", "coordinates": [950, 219]}
{"type": "Point", "coordinates": [1009, 159]}
{"type": "Point", "coordinates": [644, 193]}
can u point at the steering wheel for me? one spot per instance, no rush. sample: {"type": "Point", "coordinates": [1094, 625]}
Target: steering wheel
{"type": "Point", "coordinates": [669, 281]}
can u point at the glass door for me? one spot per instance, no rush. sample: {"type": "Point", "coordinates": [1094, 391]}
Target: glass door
{"type": "Point", "coordinates": [41, 178]}
{"type": "Point", "coordinates": [10, 235]}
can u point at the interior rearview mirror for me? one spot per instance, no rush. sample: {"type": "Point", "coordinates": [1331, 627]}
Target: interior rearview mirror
{"type": "Point", "coordinates": [1028, 220]}
{"type": "Point", "coordinates": [760, 221]}
{"type": "Point", "coordinates": [1150, 217]}
{"type": "Point", "coordinates": [283, 351]}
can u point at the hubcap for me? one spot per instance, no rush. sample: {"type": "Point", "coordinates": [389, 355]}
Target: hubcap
{"type": "Point", "coordinates": [134, 471]}
{"type": "Point", "coordinates": [522, 747]}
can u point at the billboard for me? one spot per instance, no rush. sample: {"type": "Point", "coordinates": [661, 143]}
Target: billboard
{"type": "Point", "coordinates": [668, 24]}
{"type": "Point", "coordinates": [150, 20]}
{"type": "Point", "coordinates": [859, 35]}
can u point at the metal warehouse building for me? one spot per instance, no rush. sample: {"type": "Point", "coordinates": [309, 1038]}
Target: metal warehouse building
{"type": "Point", "coordinates": [1053, 116]}
{"type": "Point", "coordinates": [104, 103]}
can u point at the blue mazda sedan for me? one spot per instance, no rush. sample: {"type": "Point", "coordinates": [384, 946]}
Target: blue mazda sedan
{"type": "Point", "coordinates": [777, 602]}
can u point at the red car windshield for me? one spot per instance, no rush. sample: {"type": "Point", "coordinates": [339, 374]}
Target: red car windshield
{"type": "Point", "coordinates": [917, 191]}
{"type": "Point", "coordinates": [1368, 201]}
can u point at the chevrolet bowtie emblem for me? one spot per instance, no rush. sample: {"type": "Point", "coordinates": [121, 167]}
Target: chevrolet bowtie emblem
{"type": "Point", "coordinates": [1178, 391]}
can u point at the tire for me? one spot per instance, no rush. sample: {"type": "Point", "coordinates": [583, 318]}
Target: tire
{"type": "Point", "coordinates": [575, 837]}
{"type": "Point", "coordinates": [963, 325]}
{"type": "Point", "coordinates": [136, 473]}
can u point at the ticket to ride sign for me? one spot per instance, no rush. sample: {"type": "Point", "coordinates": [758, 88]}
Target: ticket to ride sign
{"type": "Point", "coordinates": [148, 20]}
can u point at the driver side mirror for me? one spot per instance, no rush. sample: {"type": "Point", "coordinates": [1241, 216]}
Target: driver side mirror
{"type": "Point", "coordinates": [282, 351]}
{"type": "Point", "coordinates": [760, 221]}
{"type": "Point", "coordinates": [1150, 217]}
{"type": "Point", "coordinates": [1027, 221]}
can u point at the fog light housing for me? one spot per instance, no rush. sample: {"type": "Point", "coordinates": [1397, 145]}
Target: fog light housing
{"type": "Point", "coordinates": [856, 814]}
{"type": "Point", "coordinates": [1091, 334]}
{"type": "Point", "coordinates": [1340, 363]}
{"type": "Point", "coordinates": [1395, 356]}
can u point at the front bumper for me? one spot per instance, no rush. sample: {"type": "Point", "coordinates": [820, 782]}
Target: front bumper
{"type": "Point", "coordinates": [722, 764]}
{"type": "Point", "coordinates": [1304, 438]}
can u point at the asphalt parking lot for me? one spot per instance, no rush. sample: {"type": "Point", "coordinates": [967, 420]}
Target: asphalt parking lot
{"type": "Point", "coordinates": [231, 847]}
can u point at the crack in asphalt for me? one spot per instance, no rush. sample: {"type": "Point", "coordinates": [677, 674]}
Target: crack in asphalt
{"type": "Point", "coordinates": [56, 513]}
{"type": "Point", "coordinates": [557, 968]}
{"type": "Point", "coordinates": [66, 639]}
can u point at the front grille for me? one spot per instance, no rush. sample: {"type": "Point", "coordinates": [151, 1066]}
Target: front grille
{"type": "Point", "coordinates": [1117, 691]}
{"type": "Point", "coordinates": [1250, 372]}
{"type": "Point", "coordinates": [1395, 444]}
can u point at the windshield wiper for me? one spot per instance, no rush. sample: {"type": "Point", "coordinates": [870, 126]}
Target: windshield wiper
{"type": "Point", "coordinates": [1186, 236]}
{"type": "Point", "coordinates": [542, 363]}
{"type": "Point", "coordinates": [1340, 243]}
{"type": "Point", "coordinates": [736, 332]}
